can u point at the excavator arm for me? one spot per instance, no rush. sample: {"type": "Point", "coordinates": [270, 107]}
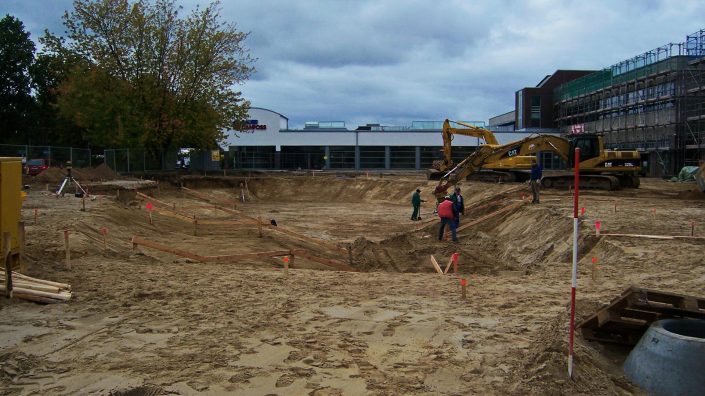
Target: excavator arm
{"type": "Point", "coordinates": [467, 130]}
{"type": "Point", "coordinates": [521, 153]}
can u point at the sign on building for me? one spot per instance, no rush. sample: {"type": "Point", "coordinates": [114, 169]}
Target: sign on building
{"type": "Point", "coordinates": [577, 129]}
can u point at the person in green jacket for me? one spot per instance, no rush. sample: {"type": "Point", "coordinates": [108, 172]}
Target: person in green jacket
{"type": "Point", "coordinates": [416, 203]}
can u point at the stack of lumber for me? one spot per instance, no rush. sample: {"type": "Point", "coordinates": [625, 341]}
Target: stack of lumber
{"type": "Point", "coordinates": [628, 316]}
{"type": "Point", "coordinates": [37, 290]}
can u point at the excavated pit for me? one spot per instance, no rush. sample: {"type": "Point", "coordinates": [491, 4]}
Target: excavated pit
{"type": "Point", "coordinates": [145, 317]}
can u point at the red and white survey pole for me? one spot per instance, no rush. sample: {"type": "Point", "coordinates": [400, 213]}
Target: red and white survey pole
{"type": "Point", "coordinates": [574, 281]}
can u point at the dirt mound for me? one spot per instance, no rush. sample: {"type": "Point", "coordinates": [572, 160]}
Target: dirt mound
{"type": "Point", "coordinates": [596, 371]}
{"type": "Point", "coordinates": [56, 175]}
{"type": "Point", "coordinates": [144, 390]}
{"type": "Point", "coordinates": [104, 172]}
{"type": "Point", "coordinates": [692, 194]}
{"type": "Point", "coordinates": [329, 188]}
{"type": "Point", "coordinates": [51, 175]}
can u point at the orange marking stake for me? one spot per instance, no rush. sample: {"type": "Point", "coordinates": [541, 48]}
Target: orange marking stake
{"type": "Point", "coordinates": [36, 211]}
{"type": "Point", "coordinates": [286, 265]}
{"type": "Point", "coordinates": [455, 258]}
{"type": "Point", "coordinates": [594, 268]}
{"type": "Point", "coordinates": [582, 211]}
{"type": "Point", "coordinates": [150, 207]}
{"type": "Point", "coordinates": [463, 288]}
{"type": "Point", "coordinates": [653, 213]}
{"type": "Point", "coordinates": [598, 225]}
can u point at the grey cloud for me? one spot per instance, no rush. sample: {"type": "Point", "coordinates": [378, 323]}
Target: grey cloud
{"type": "Point", "coordinates": [393, 62]}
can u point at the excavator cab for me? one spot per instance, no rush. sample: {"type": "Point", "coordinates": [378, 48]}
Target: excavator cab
{"type": "Point", "coordinates": [589, 148]}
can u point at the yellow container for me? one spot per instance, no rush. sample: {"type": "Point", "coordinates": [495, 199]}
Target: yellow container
{"type": "Point", "coordinates": [10, 204]}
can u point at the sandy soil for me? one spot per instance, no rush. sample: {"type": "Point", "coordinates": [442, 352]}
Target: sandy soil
{"type": "Point", "coordinates": [144, 322]}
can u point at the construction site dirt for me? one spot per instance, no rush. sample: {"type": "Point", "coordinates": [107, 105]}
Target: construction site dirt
{"type": "Point", "coordinates": [360, 309]}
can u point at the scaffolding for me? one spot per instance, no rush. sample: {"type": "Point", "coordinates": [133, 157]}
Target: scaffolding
{"type": "Point", "coordinates": [654, 103]}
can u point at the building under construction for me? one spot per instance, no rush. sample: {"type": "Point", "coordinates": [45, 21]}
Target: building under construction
{"type": "Point", "coordinates": [653, 102]}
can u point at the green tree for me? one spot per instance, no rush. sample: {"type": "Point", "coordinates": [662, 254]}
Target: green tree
{"type": "Point", "coordinates": [48, 72]}
{"type": "Point", "coordinates": [150, 77]}
{"type": "Point", "coordinates": [16, 102]}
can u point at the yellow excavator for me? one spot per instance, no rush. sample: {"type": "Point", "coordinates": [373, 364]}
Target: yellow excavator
{"type": "Point", "coordinates": [499, 169]}
{"type": "Point", "coordinates": [599, 168]}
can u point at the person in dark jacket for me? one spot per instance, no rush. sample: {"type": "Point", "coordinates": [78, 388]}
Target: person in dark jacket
{"type": "Point", "coordinates": [447, 211]}
{"type": "Point", "coordinates": [459, 203]}
{"type": "Point", "coordinates": [416, 203]}
{"type": "Point", "coordinates": [536, 175]}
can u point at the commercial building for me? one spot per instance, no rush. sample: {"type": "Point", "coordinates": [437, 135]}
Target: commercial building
{"type": "Point", "coordinates": [266, 142]}
{"type": "Point", "coordinates": [653, 102]}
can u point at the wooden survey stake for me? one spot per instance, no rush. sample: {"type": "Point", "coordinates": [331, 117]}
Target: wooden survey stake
{"type": "Point", "coordinates": [104, 231]}
{"type": "Point", "coordinates": [6, 260]}
{"type": "Point", "coordinates": [450, 261]}
{"type": "Point", "coordinates": [23, 246]}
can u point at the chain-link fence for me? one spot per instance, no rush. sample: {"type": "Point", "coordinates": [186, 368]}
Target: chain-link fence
{"type": "Point", "coordinates": [137, 160]}
{"type": "Point", "coordinates": [52, 155]}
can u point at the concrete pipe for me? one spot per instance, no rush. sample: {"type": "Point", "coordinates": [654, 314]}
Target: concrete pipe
{"type": "Point", "coordinates": [670, 358]}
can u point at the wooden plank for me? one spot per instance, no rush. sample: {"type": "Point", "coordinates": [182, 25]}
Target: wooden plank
{"type": "Point", "coordinates": [222, 222]}
{"type": "Point", "coordinates": [136, 241]}
{"type": "Point", "coordinates": [331, 263]}
{"type": "Point", "coordinates": [664, 237]}
{"type": "Point", "coordinates": [630, 314]}
{"type": "Point", "coordinates": [280, 229]}
{"type": "Point", "coordinates": [17, 275]}
{"type": "Point", "coordinates": [246, 256]}
{"type": "Point", "coordinates": [435, 265]}
{"type": "Point", "coordinates": [154, 200]}
{"type": "Point", "coordinates": [490, 215]}
{"type": "Point", "coordinates": [450, 261]}
{"type": "Point", "coordinates": [319, 242]}
{"type": "Point", "coordinates": [95, 239]}
{"type": "Point", "coordinates": [639, 314]}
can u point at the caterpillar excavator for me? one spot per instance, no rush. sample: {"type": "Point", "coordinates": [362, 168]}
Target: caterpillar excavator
{"type": "Point", "coordinates": [506, 169]}
{"type": "Point", "coordinates": [599, 168]}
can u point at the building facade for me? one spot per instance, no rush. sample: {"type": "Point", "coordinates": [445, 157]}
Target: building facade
{"type": "Point", "coordinates": [266, 142]}
{"type": "Point", "coordinates": [534, 105]}
{"type": "Point", "coordinates": [653, 103]}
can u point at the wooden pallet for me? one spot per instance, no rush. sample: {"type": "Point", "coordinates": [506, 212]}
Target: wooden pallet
{"type": "Point", "coordinates": [628, 316]}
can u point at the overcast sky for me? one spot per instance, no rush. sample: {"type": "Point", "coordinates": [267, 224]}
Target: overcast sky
{"type": "Point", "coordinates": [393, 62]}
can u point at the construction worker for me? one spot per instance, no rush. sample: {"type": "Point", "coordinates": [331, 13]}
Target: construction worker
{"type": "Point", "coordinates": [459, 203]}
{"type": "Point", "coordinates": [447, 211]}
{"type": "Point", "coordinates": [416, 203]}
{"type": "Point", "coordinates": [536, 175]}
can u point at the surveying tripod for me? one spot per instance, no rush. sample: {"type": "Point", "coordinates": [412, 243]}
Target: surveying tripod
{"type": "Point", "coordinates": [70, 180]}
